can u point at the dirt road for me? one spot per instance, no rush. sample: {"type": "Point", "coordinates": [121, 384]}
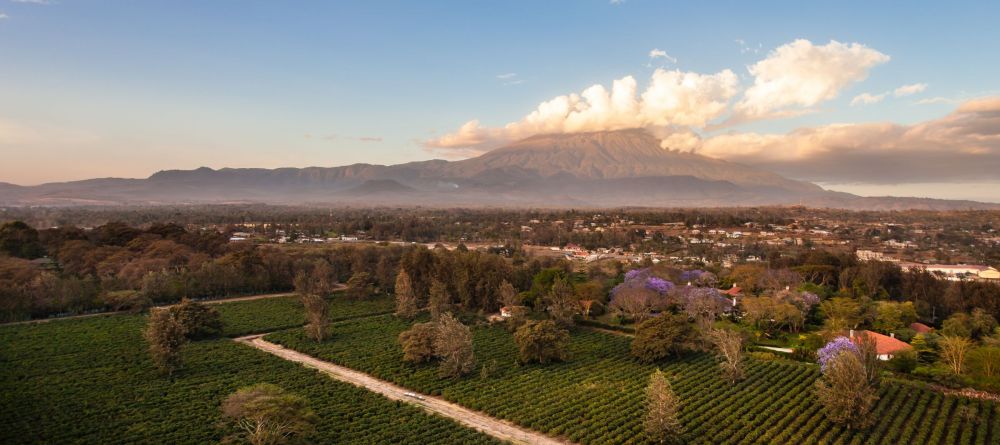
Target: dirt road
{"type": "Point", "coordinates": [495, 427]}
{"type": "Point", "coordinates": [212, 301]}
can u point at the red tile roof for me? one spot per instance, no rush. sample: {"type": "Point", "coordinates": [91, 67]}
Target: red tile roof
{"type": "Point", "coordinates": [920, 328]}
{"type": "Point", "coordinates": [733, 291]}
{"type": "Point", "coordinates": [884, 344]}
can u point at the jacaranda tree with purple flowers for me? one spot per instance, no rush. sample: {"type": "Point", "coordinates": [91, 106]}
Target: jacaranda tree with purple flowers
{"type": "Point", "coordinates": [836, 346]}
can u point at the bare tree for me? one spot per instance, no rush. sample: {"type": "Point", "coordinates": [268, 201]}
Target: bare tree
{"type": "Point", "coordinates": [662, 424]}
{"type": "Point", "coordinates": [265, 414]}
{"type": "Point", "coordinates": [165, 335]}
{"type": "Point", "coordinates": [406, 300]}
{"type": "Point", "coordinates": [453, 345]}
{"type": "Point", "coordinates": [729, 348]}
{"type": "Point", "coordinates": [954, 350]}
{"type": "Point", "coordinates": [634, 303]}
{"type": "Point", "coordinates": [317, 316]}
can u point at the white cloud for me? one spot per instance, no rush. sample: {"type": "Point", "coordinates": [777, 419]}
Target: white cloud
{"type": "Point", "coordinates": [800, 74]}
{"type": "Point", "coordinates": [965, 145]}
{"type": "Point", "coordinates": [936, 100]}
{"type": "Point", "coordinates": [3, 16]}
{"type": "Point", "coordinates": [34, 2]}
{"type": "Point", "coordinates": [867, 98]}
{"type": "Point", "coordinates": [617, 2]}
{"type": "Point", "coordinates": [657, 53]}
{"type": "Point", "coordinates": [506, 76]}
{"type": "Point", "coordinates": [907, 90]}
{"type": "Point", "coordinates": [672, 98]}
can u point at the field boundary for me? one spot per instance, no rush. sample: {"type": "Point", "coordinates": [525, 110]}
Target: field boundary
{"type": "Point", "coordinates": [497, 428]}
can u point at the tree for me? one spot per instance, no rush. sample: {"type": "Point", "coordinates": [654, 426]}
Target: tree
{"type": "Point", "coordinates": [662, 424]}
{"type": "Point", "coordinates": [165, 336]}
{"type": "Point", "coordinates": [406, 300]}
{"type": "Point", "coordinates": [953, 351]}
{"type": "Point", "coordinates": [892, 316]}
{"type": "Point", "coordinates": [439, 301]}
{"type": "Point", "coordinates": [126, 300]}
{"type": "Point", "coordinates": [20, 240]}
{"type": "Point", "coordinates": [841, 314]}
{"type": "Point", "coordinates": [662, 337]}
{"type": "Point", "coordinates": [957, 325]}
{"type": "Point", "coordinates": [418, 342]}
{"type": "Point", "coordinates": [729, 348]}
{"type": "Point", "coordinates": [453, 345]}
{"type": "Point", "coordinates": [541, 342]}
{"type": "Point", "coordinates": [360, 286]}
{"type": "Point", "coordinates": [265, 414]}
{"type": "Point", "coordinates": [633, 303]}
{"type": "Point", "coordinates": [983, 324]}
{"type": "Point", "coordinates": [317, 316]}
{"type": "Point", "coordinates": [561, 302]}
{"type": "Point", "coordinates": [985, 361]}
{"type": "Point", "coordinates": [508, 295]}
{"type": "Point", "coordinates": [199, 320]}
{"type": "Point", "coordinates": [844, 390]}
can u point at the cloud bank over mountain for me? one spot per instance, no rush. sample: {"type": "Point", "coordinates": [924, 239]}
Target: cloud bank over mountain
{"type": "Point", "coordinates": [695, 112]}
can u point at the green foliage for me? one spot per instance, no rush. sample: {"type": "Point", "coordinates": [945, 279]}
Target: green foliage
{"type": "Point", "coordinates": [266, 414]}
{"type": "Point", "coordinates": [903, 361]}
{"type": "Point", "coordinates": [892, 315]}
{"type": "Point", "coordinates": [199, 320]}
{"type": "Point", "coordinates": [541, 342]}
{"type": "Point", "coordinates": [92, 381]}
{"type": "Point", "coordinates": [662, 337]}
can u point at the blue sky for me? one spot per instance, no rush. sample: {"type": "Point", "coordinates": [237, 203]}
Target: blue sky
{"type": "Point", "coordinates": [120, 88]}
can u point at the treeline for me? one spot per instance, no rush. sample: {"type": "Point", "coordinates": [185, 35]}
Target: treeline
{"type": "Point", "coordinates": [116, 266]}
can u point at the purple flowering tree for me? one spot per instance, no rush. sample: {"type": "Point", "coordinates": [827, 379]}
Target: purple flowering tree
{"type": "Point", "coordinates": [834, 348]}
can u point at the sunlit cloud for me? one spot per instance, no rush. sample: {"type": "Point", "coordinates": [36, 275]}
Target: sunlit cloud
{"type": "Point", "coordinates": [908, 90]}
{"type": "Point", "coordinates": [657, 53]}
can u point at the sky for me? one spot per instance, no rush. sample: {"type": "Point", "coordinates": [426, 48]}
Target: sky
{"type": "Point", "coordinates": [872, 98]}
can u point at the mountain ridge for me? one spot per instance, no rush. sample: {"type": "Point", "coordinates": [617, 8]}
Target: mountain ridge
{"type": "Point", "coordinates": [599, 169]}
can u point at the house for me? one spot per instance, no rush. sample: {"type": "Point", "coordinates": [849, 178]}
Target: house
{"type": "Point", "coordinates": [885, 345]}
{"type": "Point", "coordinates": [920, 328]}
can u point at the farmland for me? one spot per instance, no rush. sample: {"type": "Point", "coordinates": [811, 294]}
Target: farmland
{"type": "Point", "coordinates": [91, 381]}
{"type": "Point", "coordinates": [250, 317]}
{"type": "Point", "coordinates": [596, 397]}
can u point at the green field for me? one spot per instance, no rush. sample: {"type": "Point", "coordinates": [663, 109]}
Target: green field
{"type": "Point", "coordinates": [597, 396]}
{"type": "Point", "coordinates": [91, 381]}
{"type": "Point", "coordinates": [271, 314]}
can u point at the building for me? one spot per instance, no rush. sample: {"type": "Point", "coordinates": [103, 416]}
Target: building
{"type": "Point", "coordinates": [957, 271]}
{"type": "Point", "coordinates": [920, 328]}
{"type": "Point", "coordinates": [870, 255]}
{"type": "Point", "coordinates": [885, 345]}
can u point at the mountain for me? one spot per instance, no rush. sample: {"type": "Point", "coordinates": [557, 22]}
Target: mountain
{"type": "Point", "coordinates": [600, 169]}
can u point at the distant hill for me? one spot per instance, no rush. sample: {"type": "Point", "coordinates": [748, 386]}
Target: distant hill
{"type": "Point", "coordinates": [600, 169]}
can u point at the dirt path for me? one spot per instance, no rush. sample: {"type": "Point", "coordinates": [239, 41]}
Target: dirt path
{"type": "Point", "coordinates": [500, 429]}
{"type": "Point", "coordinates": [212, 301]}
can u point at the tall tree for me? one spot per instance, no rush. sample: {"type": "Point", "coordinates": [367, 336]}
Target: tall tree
{"type": "Point", "coordinates": [561, 302]}
{"type": "Point", "coordinates": [439, 300]}
{"type": "Point", "coordinates": [317, 312]}
{"type": "Point", "coordinates": [406, 300]}
{"type": "Point", "coordinates": [165, 336]}
{"type": "Point", "coordinates": [265, 414]}
{"type": "Point", "coordinates": [453, 345]}
{"type": "Point", "coordinates": [662, 423]}
{"type": "Point", "coordinates": [20, 240]}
